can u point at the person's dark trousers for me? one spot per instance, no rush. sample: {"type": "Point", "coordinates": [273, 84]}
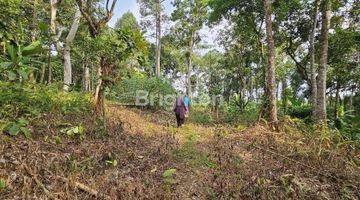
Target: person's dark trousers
{"type": "Point", "coordinates": [179, 120]}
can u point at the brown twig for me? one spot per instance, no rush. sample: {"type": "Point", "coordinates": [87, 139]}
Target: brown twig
{"type": "Point", "coordinates": [38, 182]}
{"type": "Point", "coordinates": [84, 188]}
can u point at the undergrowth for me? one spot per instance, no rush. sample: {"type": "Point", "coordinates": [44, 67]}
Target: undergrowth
{"type": "Point", "coordinates": [22, 105]}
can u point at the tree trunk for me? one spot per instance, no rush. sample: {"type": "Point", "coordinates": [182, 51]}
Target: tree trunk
{"type": "Point", "coordinates": [99, 91]}
{"type": "Point", "coordinates": [66, 55]}
{"type": "Point", "coordinates": [337, 100]}
{"type": "Point", "coordinates": [53, 11]}
{"type": "Point", "coordinates": [86, 77]}
{"type": "Point", "coordinates": [42, 75]}
{"type": "Point", "coordinates": [50, 69]}
{"type": "Point", "coordinates": [351, 96]}
{"type": "Point", "coordinates": [33, 38]}
{"type": "Point", "coordinates": [189, 56]}
{"type": "Point", "coordinates": [158, 39]}
{"type": "Point", "coordinates": [321, 79]}
{"type": "Point", "coordinates": [284, 94]}
{"type": "Point", "coordinates": [270, 78]}
{"type": "Point", "coordinates": [313, 86]}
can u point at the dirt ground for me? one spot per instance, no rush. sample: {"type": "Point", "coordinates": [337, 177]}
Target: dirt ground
{"type": "Point", "coordinates": [143, 156]}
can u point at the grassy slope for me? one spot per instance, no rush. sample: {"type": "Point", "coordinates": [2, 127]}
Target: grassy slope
{"type": "Point", "coordinates": [211, 162]}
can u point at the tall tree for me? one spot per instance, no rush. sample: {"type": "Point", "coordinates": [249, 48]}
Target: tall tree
{"type": "Point", "coordinates": [54, 35]}
{"type": "Point", "coordinates": [313, 97]}
{"type": "Point", "coordinates": [270, 72]}
{"type": "Point", "coordinates": [189, 15]}
{"type": "Point", "coordinates": [322, 71]}
{"type": "Point", "coordinates": [153, 9]}
{"type": "Point", "coordinates": [67, 47]}
{"type": "Point", "coordinates": [127, 21]}
{"type": "Point", "coordinates": [95, 28]}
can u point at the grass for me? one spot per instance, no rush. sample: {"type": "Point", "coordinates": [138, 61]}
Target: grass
{"type": "Point", "coordinates": [209, 162]}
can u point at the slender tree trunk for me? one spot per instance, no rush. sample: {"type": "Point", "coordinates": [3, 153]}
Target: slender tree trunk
{"type": "Point", "coordinates": [337, 100]}
{"type": "Point", "coordinates": [277, 89]}
{"type": "Point", "coordinates": [284, 95]}
{"type": "Point", "coordinates": [251, 88]}
{"type": "Point", "coordinates": [66, 55]}
{"type": "Point", "coordinates": [189, 57]}
{"type": "Point", "coordinates": [270, 78]}
{"type": "Point", "coordinates": [33, 38]}
{"type": "Point", "coordinates": [351, 96]}
{"type": "Point", "coordinates": [158, 39]}
{"type": "Point", "coordinates": [49, 68]}
{"type": "Point", "coordinates": [86, 77]}
{"type": "Point", "coordinates": [53, 11]}
{"type": "Point", "coordinates": [313, 97]}
{"type": "Point", "coordinates": [321, 79]}
{"type": "Point", "coordinates": [99, 93]}
{"type": "Point", "coordinates": [42, 75]}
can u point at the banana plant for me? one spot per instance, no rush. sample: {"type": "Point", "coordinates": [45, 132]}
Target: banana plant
{"type": "Point", "coordinates": [16, 65]}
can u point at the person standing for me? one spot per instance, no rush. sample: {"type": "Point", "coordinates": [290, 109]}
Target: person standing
{"type": "Point", "coordinates": [187, 105]}
{"type": "Point", "coordinates": [180, 110]}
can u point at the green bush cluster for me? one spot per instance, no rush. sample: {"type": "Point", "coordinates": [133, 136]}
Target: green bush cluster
{"type": "Point", "coordinates": [299, 111]}
{"type": "Point", "coordinates": [25, 102]}
{"type": "Point", "coordinates": [236, 114]}
{"type": "Point", "coordinates": [200, 115]}
{"type": "Point", "coordinates": [125, 90]}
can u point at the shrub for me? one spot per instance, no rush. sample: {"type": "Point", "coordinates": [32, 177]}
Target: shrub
{"type": "Point", "coordinates": [20, 103]}
{"type": "Point", "coordinates": [235, 114]}
{"type": "Point", "coordinates": [125, 91]}
{"type": "Point", "coordinates": [299, 111]}
{"type": "Point", "coordinates": [200, 115]}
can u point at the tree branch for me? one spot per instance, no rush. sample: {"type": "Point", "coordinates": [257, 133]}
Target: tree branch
{"type": "Point", "coordinates": [301, 68]}
{"type": "Point", "coordinates": [92, 25]}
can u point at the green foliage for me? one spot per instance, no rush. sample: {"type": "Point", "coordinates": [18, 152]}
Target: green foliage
{"type": "Point", "coordinates": [348, 125]}
{"type": "Point", "coordinates": [15, 127]}
{"type": "Point", "coordinates": [236, 114]}
{"type": "Point", "coordinates": [75, 132]}
{"type": "Point", "coordinates": [22, 103]}
{"type": "Point", "coordinates": [111, 161]}
{"type": "Point", "coordinates": [168, 176]}
{"type": "Point", "coordinates": [26, 101]}
{"type": "Point", "coordinates": [2, 184]}
{"type": "Point", "coordinates": [299, 111]}
{"type": "Point", "coordinates": [127, 21]}
{"type": "Point", "coordinates": [200, 115]}
{"type": "Point", "coordinates": [125, 91]}
{"type": "Point", "coordinates": [17, 62]}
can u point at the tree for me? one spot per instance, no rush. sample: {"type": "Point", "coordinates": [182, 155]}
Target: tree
{"type": "Point", "coordinates": [127, 21]}
{"type": "Point", "coordinates": [95, 27]}
{"type": "Point", "coordinates": [66, 50]}
{"type": "Point", "coordinates": [322, 71]}
{"type": "Point", "coordinates": [153, 9]}
{"type": "Point", "coordinates": [189, 16]}
{"type": "Point", "coordinates": [54, 34]}
{"type": "Point", "coordinates": [270, 75]}
{"type": "Point", "coordinates": [313, 97]}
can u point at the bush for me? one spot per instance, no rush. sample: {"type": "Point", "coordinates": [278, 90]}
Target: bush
{"type": "Point", "coordinates": [235, 114]}
{"type": "Point", "coordinates": [299, 111]}
{"type": "Point", "coordinates": [21, 103]}
{"type": "Point", "coordinates": [126, 91]}
{"type": "Point", "coordinates": [200, 115]}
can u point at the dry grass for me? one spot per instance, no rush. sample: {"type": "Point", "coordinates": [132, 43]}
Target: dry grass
{"type": "Point", "coordinates": [212, 162]}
